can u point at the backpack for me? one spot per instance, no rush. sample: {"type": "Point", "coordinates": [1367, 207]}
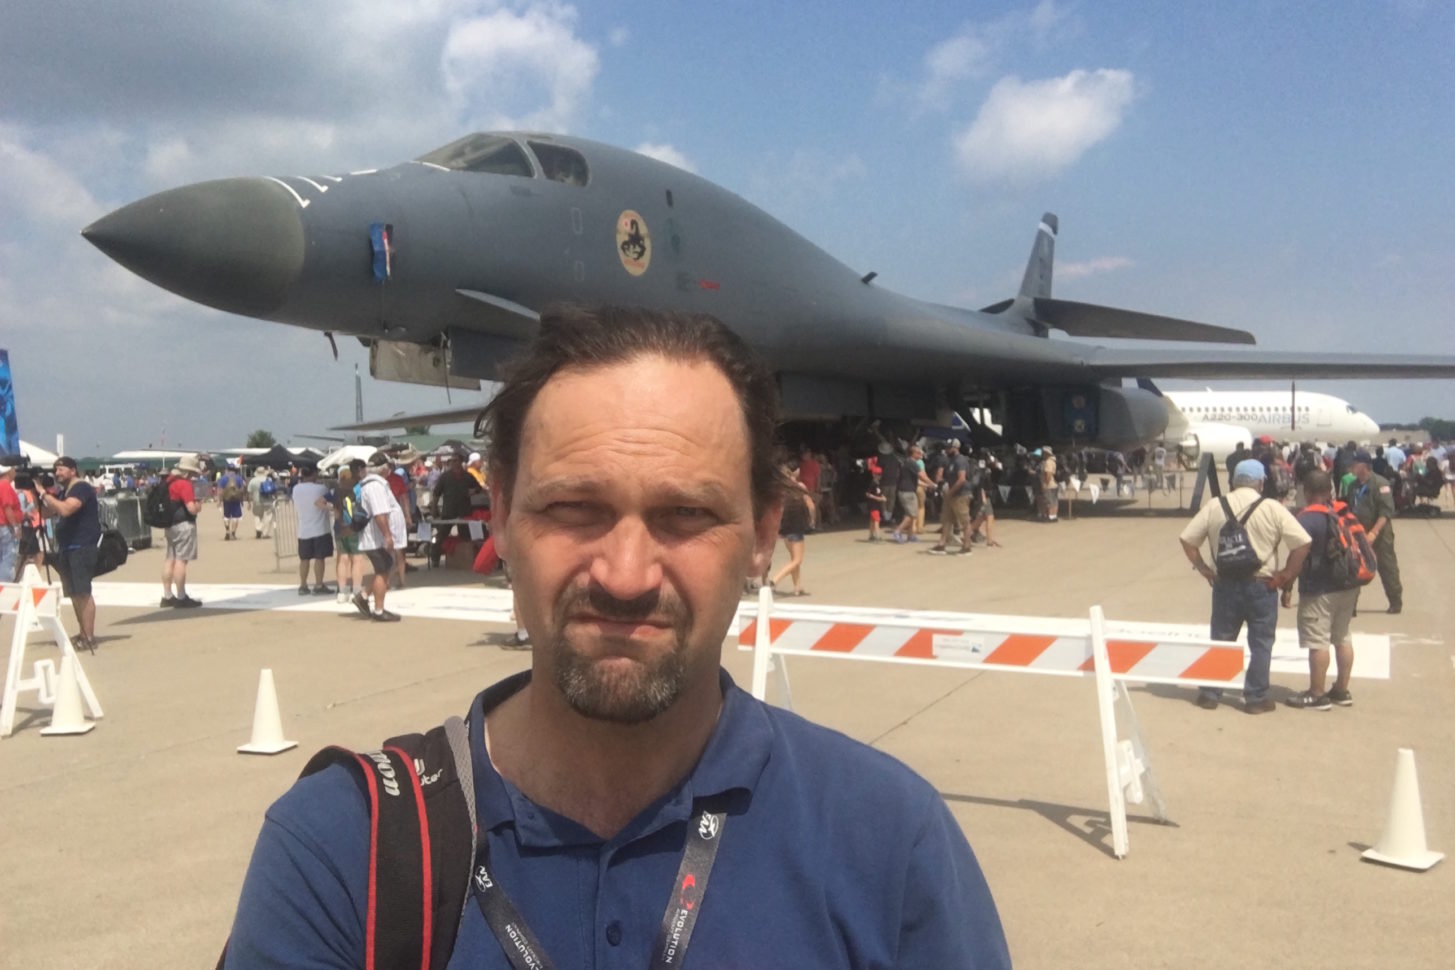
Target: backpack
{"type": "Point", "coordinates": [1280, 481]}
{"type": "Point", "coordinates": [232, 489]}
{"type": "Point", "coordinates": [1347, 553]}
{"type": "Point", "coordinates": [420, 789]}
{"type": "Point", "coordinates": [111, 552]}
{"type": "Point", "coordinates": [1235, 557]}
{"type": "Point", "coordinates": [158, 510]}
{"type": "Point", "coordinates": [268, 488]}
{"type": "Point", "coordinates": [358, 516]}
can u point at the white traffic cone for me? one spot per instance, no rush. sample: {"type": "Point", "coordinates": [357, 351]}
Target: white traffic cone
{"type": "Point", "coordinates": [68, 716]}
{"type": "Point", "coordinates": [1403, 841]}
{"type": "Point", "coordinates": [267, 723]}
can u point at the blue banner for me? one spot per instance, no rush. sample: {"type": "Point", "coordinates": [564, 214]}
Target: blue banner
{"type": "Point", "coordinates": [9, 425]}
{"type": "Point", "coordinates": [383, 250]}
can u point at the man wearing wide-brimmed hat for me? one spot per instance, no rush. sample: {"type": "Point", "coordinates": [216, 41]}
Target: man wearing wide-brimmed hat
{"type": "Point", "coordinates": [182, 533]}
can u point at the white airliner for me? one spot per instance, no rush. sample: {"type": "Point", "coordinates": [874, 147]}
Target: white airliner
{"type": "Point", "coordinates": [1217, 421]}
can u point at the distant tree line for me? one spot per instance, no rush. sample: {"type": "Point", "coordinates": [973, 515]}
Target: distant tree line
{"type": "Point", "coordinates": [1441, 428]}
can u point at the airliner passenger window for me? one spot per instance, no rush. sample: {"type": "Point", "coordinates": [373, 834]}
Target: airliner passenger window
{"type": "Point", "coordinates": [560, 164]}
{"type": "Point", "coordinates": [488, 154]}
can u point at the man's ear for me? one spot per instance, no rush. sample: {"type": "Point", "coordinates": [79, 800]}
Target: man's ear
{"type": "Point", "coordinates": [499, 519]}
{"type": "Point", "coordinates": [765, 537]}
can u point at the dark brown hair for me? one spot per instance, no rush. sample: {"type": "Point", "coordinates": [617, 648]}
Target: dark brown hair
{"type": "Point", "coordinates": [586, 338]}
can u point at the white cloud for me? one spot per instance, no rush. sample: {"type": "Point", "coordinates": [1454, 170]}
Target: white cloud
{"type": "Point", "coordinates": [526, 69]}
{"type": "Point", "coordinates": [974, 50]}
{"type": "Point", "coordinates": [666, 153]}
{"type": "Point", "coordinates": [1028, 131]}
{"type": "Point", "coordinates": [39, 189]}
{"type": "Point", "coordinates": [1092, 267]}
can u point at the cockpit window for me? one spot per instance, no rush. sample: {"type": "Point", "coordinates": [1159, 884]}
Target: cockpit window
{"type": "Point", "coordinates": [490, 154]}
{"type": "Point", "coordinates": [560, 164]}
{"type": "Point", "coordinates": [1351, 409]}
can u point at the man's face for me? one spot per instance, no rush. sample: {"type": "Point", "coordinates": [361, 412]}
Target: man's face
{"type": "Point", "coordinates": [64, 474]}
{"type": "Point", "coordinates": [630, 531]}
{"type": "Point", "coordinates": [1361, 471]}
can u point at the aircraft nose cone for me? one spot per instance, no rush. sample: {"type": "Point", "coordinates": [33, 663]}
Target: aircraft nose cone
{"type": "Point", "coordinates": [234, 244]}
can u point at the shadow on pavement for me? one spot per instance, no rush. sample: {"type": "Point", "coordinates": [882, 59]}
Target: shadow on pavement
{"type": "Point", "coordinates": [1094, 830]}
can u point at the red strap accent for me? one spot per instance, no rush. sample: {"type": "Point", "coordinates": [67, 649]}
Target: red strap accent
{"type": "Point", "coordinates": [427, 878]}
{"type": "Point", "coordinates": [369, 916]}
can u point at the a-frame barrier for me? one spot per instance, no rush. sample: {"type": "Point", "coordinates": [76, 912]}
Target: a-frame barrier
{"type": "Point", "coordinates": [35, 605]}
{"type": "Point", "coordinates": [1071, 648]}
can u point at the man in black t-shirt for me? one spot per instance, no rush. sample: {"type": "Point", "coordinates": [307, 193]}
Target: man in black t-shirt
{"type": "Point", "coordinates": [78, 530]}
{"type": "Point", "coordinates": [453, 499]}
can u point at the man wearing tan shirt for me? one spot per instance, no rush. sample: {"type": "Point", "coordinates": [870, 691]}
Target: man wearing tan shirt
{"type": "Point", "coordinates": [1252, 600]}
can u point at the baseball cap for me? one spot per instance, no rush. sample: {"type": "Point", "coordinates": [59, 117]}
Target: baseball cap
{"type": "Point", "coordinates": [474, 456]}
{"type": "Point", "coordinates": [1361, 457]}
{"type": "Point", "coordinates": [67, 461]}
{"type": "Point", "coordinates": [1250, 468]}
{"type": "Point", "coordinates": [378, 460]}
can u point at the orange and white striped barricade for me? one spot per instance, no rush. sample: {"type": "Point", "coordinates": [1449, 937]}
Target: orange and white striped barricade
{"type": "Point", "coordinates": [32, 604]}
{"type": "Point", "coordinates": [1036, 645]}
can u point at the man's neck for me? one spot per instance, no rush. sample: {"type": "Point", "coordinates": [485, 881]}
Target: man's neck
{"type": "Point", "coordinates": [599, 774]}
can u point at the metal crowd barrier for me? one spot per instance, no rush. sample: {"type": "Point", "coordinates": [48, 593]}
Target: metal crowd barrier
{"type": "Point", "coordinates": [285, 530]}
{"type": "Point", "coordinates": [123, 513]}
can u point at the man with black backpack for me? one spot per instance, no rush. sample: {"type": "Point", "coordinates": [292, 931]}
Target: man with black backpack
{"type": "Point", "coordinates": [1244, 532]}
{"type": "Point", "coordinates": [182, 533]}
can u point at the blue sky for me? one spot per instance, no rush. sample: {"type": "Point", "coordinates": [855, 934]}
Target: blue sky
{"type": "Point", "coordinates": [1285, 168]}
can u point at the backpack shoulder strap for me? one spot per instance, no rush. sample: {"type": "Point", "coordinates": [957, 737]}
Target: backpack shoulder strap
{"type": "Point", "coordinates": [1248, 512]}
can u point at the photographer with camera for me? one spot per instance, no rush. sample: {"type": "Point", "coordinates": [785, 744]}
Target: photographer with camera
{"type": "Point", "coordinates": [78, 530]}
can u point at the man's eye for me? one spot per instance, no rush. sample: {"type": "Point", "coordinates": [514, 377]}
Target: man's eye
{"type": "Point", "coordinates": [570, 512]}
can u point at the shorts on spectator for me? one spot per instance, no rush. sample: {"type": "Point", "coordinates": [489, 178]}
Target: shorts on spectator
{"type": "Point", "coordinates": [957, 510]}
{"type": "Point", "coordinates": [909, 503]}
{"type": "Point", "coordinates": [182, 542]}
{"type": "Point", "coordinates": [316, 547]}
{"type": "Point", "coordinates": [382, 560]}
{"type": "Point", "coordinates": [348, 545]}
{"type": "Point", "coordinates": [232, 510]}
{"type": "Point", "coordinates": [1324, 619]}
{"type": "Point", "coordinates": [77, 567]}
{"type": "Point", "coordinates": [791, 536]}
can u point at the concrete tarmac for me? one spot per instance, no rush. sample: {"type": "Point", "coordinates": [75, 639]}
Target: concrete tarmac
{"type": "Point", "coordinates": [126, 847]}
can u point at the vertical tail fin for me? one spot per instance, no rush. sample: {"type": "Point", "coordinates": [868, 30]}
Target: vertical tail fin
{"type": "Point", "coordinates": [1037, 281]}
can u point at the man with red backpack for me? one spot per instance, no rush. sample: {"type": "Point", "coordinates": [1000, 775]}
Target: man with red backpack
{"type": "Point", "coordinates": [1328, 591]}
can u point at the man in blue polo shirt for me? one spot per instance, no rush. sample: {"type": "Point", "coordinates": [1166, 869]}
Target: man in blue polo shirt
{"type": "Point", "coordinates": [634, 489]}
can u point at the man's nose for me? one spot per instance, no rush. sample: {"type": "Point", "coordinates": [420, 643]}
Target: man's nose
{"type": "Point", "coordinates": [626, 563]}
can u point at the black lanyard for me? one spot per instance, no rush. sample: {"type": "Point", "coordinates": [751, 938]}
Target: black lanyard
{"type": "Point", "coordinates": [524, 951]}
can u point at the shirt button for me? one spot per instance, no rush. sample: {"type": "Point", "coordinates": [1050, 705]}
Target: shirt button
{"type": "Point", "coordinates": [613, 933]}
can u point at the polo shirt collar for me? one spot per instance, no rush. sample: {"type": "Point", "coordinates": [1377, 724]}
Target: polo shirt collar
{"type": "Point", "coordinates": [734, 759]}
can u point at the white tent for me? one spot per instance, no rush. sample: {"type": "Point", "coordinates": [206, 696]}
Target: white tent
{"type": "Point", "coordinates": [38, 455]}
{"type": "Point", "coordinates": [344, 455]}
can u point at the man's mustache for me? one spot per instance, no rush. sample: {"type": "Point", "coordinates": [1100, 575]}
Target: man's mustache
{"type": "Point", "coordinates": [651, 606]}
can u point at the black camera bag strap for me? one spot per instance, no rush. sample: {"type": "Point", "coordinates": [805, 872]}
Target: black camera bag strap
{"type": "Point", "coordinates": [421, 794]}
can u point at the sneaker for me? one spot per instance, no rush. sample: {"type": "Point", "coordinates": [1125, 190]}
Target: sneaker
{"type": "Point", "coordinates": [962, 551]}
{"type": "Point", "coordinates": [1341, 697]}
{"type": "Point", "coordinates": [342, 597]}
{"type": "Point", "coordinates": [168, 601]}
{"type": "Point", "coordinates": [1265, 706]}
{"type": "Point", "coordinates": [185, 602]}
{"type": "Point", "coordinates": [1309, 701]}
{"type": "Point", "coordinates": [1207, 702]}
{"type": "Point", "coordinates": [361, 603]}
{"type": "Point", "coordinates": [1395, 608]}
{"type": "Point", "coordinates": [323, 590]}
{"type": "Point", "coordinates": [304, 591]}
{"type": "Point", "coordinates": [937, 550]}
{"type": "Point", "coordinates": [914, 538]}
{"type": "Point", "coordinates": [384, 616]}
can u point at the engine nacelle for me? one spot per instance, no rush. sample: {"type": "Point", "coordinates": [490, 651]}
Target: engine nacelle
{"type": "Point", "coordinates": [1208, 438]}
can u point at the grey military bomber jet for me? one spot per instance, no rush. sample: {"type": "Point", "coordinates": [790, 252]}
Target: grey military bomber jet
{"type": "Point", "coordinates": [442, 264]}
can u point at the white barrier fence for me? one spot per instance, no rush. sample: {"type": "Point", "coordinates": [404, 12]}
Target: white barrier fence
{"type": "Point", "coordinates": [1069, 648]}
{"type": "Point", "coordinates": [34, 608]}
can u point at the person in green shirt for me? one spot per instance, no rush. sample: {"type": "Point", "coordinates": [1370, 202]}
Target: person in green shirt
{"type": "Point", "coordinates": [1372, 499]}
